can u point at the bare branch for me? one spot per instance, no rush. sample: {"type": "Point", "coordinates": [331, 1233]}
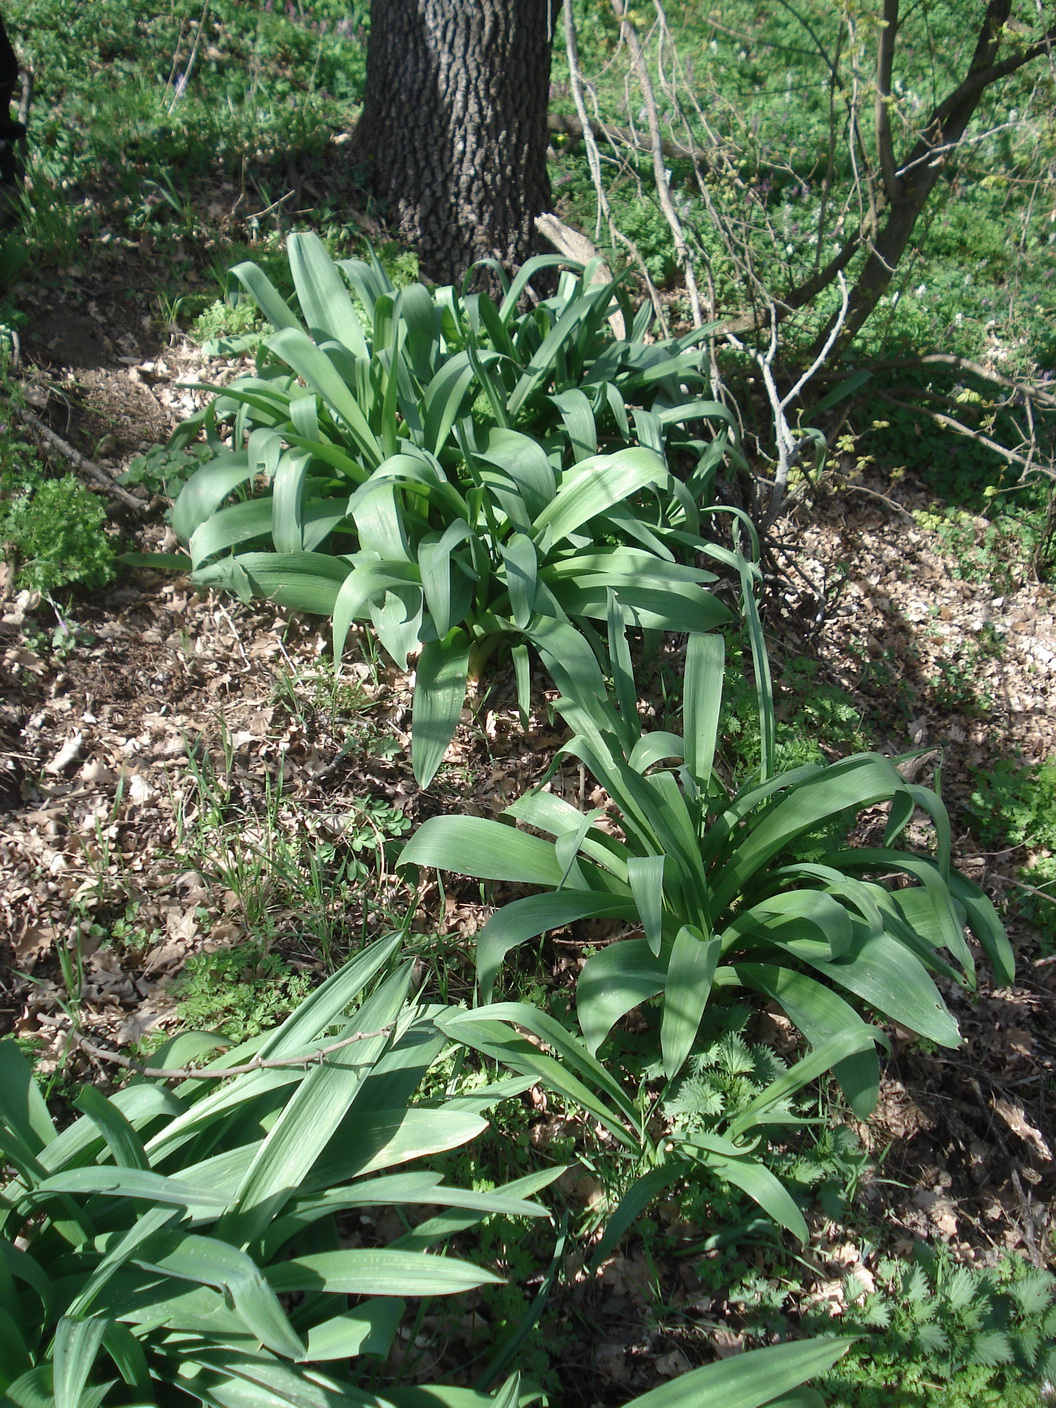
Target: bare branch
{"type": "Point", "coordinates": [660, 177]}
{"type": "Point", "coordinates": [44, 435]}
{"type": "Point", "coordinates": [594, 163]}
{"type": "Point", "coordinates": [312, 1058]}
{"type": "Point", "coordinates": [1029, 466]}
{"type": "Point", "coordinates": [884, 64]}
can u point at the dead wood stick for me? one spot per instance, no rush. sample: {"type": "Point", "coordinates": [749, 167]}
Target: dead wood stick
{"type": "Point", "coordinates": [258, 1063]}
{"type": "Point", "coordinates": [44, 435]}
{"type": "Point", "coordinates": [564, 124]}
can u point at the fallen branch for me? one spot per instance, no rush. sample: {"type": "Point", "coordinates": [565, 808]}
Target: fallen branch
{"type": "Point", "coordinates": [258, 1063]}
{"type": "Point", "coordinates": [44, 435]}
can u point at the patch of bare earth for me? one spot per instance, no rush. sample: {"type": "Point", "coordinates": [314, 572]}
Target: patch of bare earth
{"type": "Point", "coordinates": [966, 673]}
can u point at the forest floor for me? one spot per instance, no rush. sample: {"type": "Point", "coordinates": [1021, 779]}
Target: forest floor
{"type": "Point", "coordinates": [168, 771]}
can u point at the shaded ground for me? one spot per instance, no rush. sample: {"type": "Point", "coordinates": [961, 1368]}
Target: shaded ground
{"type": "Point", "coordinates": [165, 782]}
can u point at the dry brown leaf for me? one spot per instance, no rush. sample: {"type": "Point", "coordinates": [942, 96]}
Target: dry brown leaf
{"type": "Point", "coordinates": [1014, 1116]}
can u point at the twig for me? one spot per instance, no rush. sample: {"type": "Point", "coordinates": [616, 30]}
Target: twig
{"type": "Point", "coordinates": [660, 176]}
{"type": "Point", "coordinates": [575, 78]}
{"type": "Point", "coordinates": [789, 448]}
{"type": "Point", "coordinates": [1029, 466]}
{"type": "Point", "coordinates": [44, 434]}
{"type": "Point", "coordinates": [258, 1063]}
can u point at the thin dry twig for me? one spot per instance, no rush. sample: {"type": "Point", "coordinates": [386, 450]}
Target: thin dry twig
{"type": "Point", "coordinates": [258, 1063]}
{"type": "Point", "coordinates": [594, 163]}
{"type": "Point", "coordinates": [656, 147]}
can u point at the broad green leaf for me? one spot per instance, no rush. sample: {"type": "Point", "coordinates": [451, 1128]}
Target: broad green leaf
{"type": "Point", "coordinates": [22, 1107]}
{"type": "Point", "coordinates": [885, 974]}
{"type": "Point", "coordinates": [443, 398]}
{"type": "Point", "coordinates": [578, 419]}
{"type": "Point", "coordinates": [439, 693]}
{"type": "Point", "coordinates": [77, 1343]}
{"type": "Point", "coordinates": [387, 1138]}
{"type": "Point", "coordinates": [378, 1272]}
{"type": "Point", "coordinates": [987, 928]}
{"type": "Point", "coordinates": [397, 619]}
{"type": "Point", "coordinates": [526, 463]}
{"type": "Point", "coordinates": [485, 849]}
{"type": "Point", "coordinates": [228, 1378]}
{"type": "Point", "coordinates": [614, 982]}
{"type": "Point", "coordinates": [750, 1175]}
{"type": "Point", "coordinates": [690, 974]}
{"type": "Point", "coordinates": [377, 511]}
{"type": "Point", "coordinates": [287, 504]}
{"type": "Point", "coordinates": [322, 295]}
{"type": "Point", "coordinates": [206, 1261]}
{"type": "Point", "coordinates": [857, 783]}
{"type": "Point", "coordinates": [702, 703]}
{"type": "Point", "coordinates": [525, 919]}
{"type": "Point", "coordinates": [836, 1048]}
{"type": "Point", "coordinates": [320, 375]}
{"type": "Point", "coordinates": [135, 1182]}
{"type": "Point", "coordinates": [364, 582]}
{"type": "Point", "coordinates": [645, 875]}
{"type": "Point", "coordinates": [124, 1143]}
{"type": "Point", "coordinates": [522, 576]}
{"type": "Point", "coordinates": [303, 581]}
{"type": "Point", "coordinates": [311, 1117]}
{"type": "Point", "coordinates": [569, 660]}
{"type": "Point", "coordinates": [264, 295]}
{"type": "Point", "coordinates": [677, 607]}
{"type": "Point", "coordinates": [748, 1380]}
{"type": "Point", "coordinates": [820, 1013]}
{"type": "Point", "coordinates": [207, 489]}
{"type": "Point", "coordinates": [575, 1072]}
{"type": "Point", "coordinates": [594, 485]}
{"type": "Point", "coordinates": [369, 1329]}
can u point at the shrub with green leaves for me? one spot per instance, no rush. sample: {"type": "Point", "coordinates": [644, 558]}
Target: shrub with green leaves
{"type": "Point", "coordinates": [462, 474]}
{"type": "Point", "coordinates": [1014, 805]}
{"type": "Point", "coordinates": [717, 885]}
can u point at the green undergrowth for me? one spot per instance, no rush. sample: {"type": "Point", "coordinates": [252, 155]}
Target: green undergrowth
{"type": "Point", "coordinates": [945, 1335]}
{"type": "Point", "coordinates": [237, 992]}
{"type": "Point", "coordinates": [1013, 807]}
{"type": "Point", "coordinates": [51, 528]}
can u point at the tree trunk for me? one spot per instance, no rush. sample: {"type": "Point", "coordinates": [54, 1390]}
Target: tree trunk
{"type": "Point", "coordinates": [453, 132]}
{"type": "Point", "coordinates": [908, 193]}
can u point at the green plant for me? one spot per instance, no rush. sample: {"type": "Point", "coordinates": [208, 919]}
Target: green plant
{"type": "Point", "coordinates": [162, 470]}
{"type": "Point", "coordinates": [947, 1335]}
{"type": "Point", "coordinates": [721, 1080]}
{"type": "Point", "coordinates": [719, 887]}
{"type": "Point", "coordinates": [1013, 805]}
{"type": "Point", "coordinates": [192, 1245]}
{"type": "Point", "coordinates": [392, 428]}
{"type": "Point", "coordinates": [317, 878]}
{"type": "Point", "coordinates": [51, 529]}
{"type": "Point", "coordinates": [157, 1233]}
{"type": "Point", "coordinates": [237, 992]}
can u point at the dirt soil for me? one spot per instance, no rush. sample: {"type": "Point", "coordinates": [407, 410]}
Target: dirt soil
{"type": "Point", "coordinates": [103, 746]}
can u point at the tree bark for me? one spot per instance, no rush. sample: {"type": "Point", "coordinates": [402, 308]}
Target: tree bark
{"type": "Point", "coordinates": [453, 134]}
